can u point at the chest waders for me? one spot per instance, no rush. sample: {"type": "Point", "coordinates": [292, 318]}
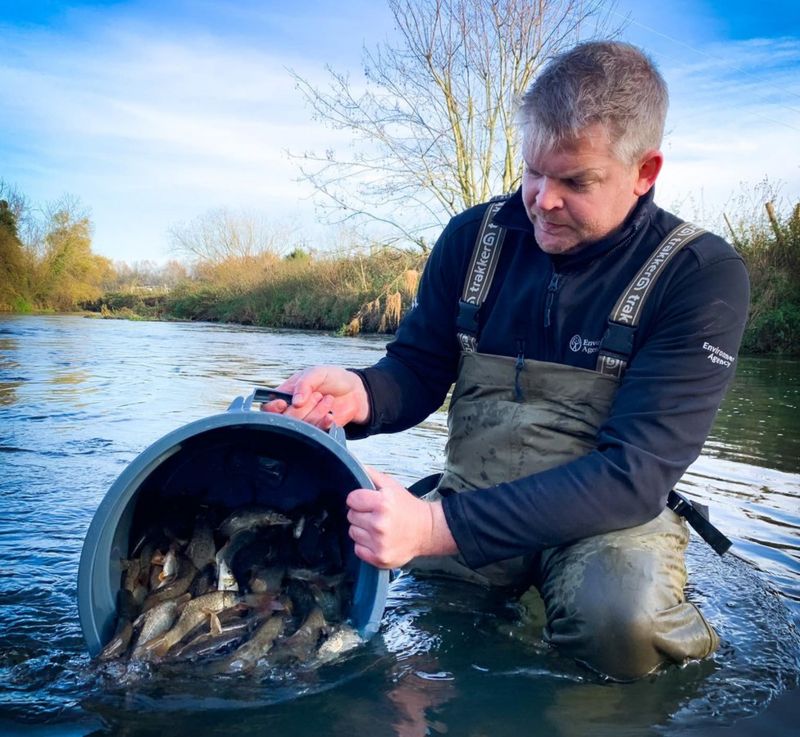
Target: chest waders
{"type": "Point", "coordinates": [613, 601]}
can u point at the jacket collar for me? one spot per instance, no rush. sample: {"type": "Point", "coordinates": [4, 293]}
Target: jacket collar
{"type": "Point", "coordinates": [512, 215]}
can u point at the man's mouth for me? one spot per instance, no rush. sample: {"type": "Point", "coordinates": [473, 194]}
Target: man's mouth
{"type": "Point", "coordinates": [549, 227]}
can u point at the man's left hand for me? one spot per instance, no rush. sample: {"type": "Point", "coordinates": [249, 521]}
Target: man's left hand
{"type": "Point", "coordinates": [391, 526]}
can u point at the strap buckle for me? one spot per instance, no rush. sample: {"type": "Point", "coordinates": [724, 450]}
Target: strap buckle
{"type": "Point", "coordinates": [693, 514]}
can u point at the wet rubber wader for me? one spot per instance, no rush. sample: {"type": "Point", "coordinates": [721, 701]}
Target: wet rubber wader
{"type": "Point", "coordinates": [613, 601]}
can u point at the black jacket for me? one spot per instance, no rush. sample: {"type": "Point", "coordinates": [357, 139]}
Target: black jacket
{"type": "Point", "coordinates": [557, 307]}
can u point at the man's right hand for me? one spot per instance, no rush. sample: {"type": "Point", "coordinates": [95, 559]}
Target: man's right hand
{"type": "Point", "coordinates": [323, 395]}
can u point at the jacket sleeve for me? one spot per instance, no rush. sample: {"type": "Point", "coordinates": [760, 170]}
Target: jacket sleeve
{"type": "Point", "coordinates": [413, 378]}
{"type": "Point", "coordinates": [661, 415]}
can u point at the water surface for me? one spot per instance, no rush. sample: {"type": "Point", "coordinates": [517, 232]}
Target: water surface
{"type": "Point", "coordinates": [81, 398]}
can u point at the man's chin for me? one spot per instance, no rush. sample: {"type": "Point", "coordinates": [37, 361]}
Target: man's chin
{"type": "Point", "coordinates": [555, 243]}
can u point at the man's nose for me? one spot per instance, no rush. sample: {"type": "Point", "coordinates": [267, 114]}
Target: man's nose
{"type": "Point", "coordinates": [549, 195]}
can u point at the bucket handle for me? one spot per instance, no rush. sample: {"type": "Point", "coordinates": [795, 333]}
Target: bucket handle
{"type": "Point", "coordinates": [263, 394]}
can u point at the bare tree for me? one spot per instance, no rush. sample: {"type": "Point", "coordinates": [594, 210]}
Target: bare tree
{"type": "Point", "coordinates": [434, 119]}
{"type": "Point", "coordinates": [222, 234]}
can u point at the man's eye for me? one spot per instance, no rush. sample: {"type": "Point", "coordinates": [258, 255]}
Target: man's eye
{"type": "Point", "coordinates": [577, 184]}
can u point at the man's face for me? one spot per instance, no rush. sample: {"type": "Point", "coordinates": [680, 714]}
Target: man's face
{"type": "Point", "coordinates": [581, 193]}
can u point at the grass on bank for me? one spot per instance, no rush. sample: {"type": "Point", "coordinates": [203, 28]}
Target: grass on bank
{"type": "Point", "coordinates": [358, 292]}
{"type": "Point", "coordinates": [770, 246]}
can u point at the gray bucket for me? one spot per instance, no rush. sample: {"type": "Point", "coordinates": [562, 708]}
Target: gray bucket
{"type": "Point", "coordinates": [234, 458]}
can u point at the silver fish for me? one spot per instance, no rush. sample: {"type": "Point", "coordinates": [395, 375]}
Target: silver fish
{"type": "Point", "coordinates": [194, 613]}
{"type": "Point", "coordinates": [251, 518]}
{"type": "Point", "coordinates": [226, 581]}
{"type": "Point", "coordinates": [156, 621]}
{"type": "Point", "coordinates": [342, 640]}
{"type": "Point", "coordinates": [247, 655]}
{"type": "Point", "coordinates": [169, 568]}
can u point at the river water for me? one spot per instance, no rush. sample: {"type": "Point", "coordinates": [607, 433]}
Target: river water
{"type": "Point", "coordinates": [81, 398]}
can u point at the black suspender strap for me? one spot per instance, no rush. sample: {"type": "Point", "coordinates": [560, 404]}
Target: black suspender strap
{"type": "Point", "coordinates": [617, 343]}
{"type": "Point", "coordinates": [485, 256]}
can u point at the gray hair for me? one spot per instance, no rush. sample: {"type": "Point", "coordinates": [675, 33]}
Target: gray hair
{"type": "Point", "coordinates": [607, 82]}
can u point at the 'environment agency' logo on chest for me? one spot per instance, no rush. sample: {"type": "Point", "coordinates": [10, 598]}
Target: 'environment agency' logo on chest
{"type": "Point", "coordinates": [583, 345]}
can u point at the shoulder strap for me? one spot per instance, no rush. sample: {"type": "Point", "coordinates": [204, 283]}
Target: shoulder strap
{"type": "Point", "coordinates": [617, 343]}
{"type": "Point", "coordinates": [485, 256]}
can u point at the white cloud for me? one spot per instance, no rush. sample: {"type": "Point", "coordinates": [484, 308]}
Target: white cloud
{"type": "Point", "coordinates": [170, 126]}
{"type": "Point", "coordinates": [734, 121]}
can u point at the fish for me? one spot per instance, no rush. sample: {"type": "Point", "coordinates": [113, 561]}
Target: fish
{"type": "Point", "coordinates": [219, 640]}
{"type": "Point", "coordinates": [210, 645]}
{"type": "Point", "coordinates": [201, 548]}
{"type": "Point", "coordinates": [194, 613]}
{"type": "Point", "coordinates": [118, 644]}
{"type": "Point", "coordinates": [245, 657]}
{"type": "Point", "coordinates": [266, 602]}
{"type": "Point", "coordinates": [156, 568]}
{"type": "Point", "coordinates": [317, 576]}
{"type": "Point", "coordinates": [251, 518]}
{"type": "Point", "coordinates": [156, 621]}
{"type": "Point", "coordinates": [300, 645]}
{"type": "Point", "coordinates": [301, 597]}
{"type": "Point", "coordinates": [226, 581]}
{"type": "Point", "coordinates": [177, 588]}
{"type": "Point", "coordinates": [342, 640]}
{"type": "Point", "coordinates": [274, 592]}
{"type": "Point", "coordinates": [169, 568]}
{"type": "Point", "coordinates": [133, 569]}
{"type": "Point", "coordinates": [204, 581]}
{"type": "Point", "coordinates": [330, 601]}
{"type": "Point", "coordinates": [266, 579]}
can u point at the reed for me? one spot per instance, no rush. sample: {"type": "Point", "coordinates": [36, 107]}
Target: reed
{"type": "Point", "coordinates": [770, 246]}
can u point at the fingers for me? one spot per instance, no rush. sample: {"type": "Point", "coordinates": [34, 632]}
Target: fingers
{"type": "Point", "coordinates": [363, 500]}
{"type": "Point", "coordinates": [379, 478]}
{"type": "Point", "coordinates": [276, 406]}
{"type": "Point", "coordinates": [279, 406]}
{"type": "Point", "coordinates": [368, 543]}
{"type": "Point", "coordinates": [306, 383]}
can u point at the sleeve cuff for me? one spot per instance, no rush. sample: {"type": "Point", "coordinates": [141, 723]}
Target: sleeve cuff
{"type": "Point", "coordinates": [453, 507]}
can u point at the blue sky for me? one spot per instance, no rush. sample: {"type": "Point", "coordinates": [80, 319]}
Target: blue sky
{"type": "Point", "coordinates": [153, 113]}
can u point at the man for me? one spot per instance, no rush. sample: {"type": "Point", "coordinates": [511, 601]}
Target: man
{"type": "Point", "coordinates": [590, 349]}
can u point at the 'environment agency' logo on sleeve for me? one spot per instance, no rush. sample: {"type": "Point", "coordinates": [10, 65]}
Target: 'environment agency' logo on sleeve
{"type": "Point", "coordinates": [583, 345]}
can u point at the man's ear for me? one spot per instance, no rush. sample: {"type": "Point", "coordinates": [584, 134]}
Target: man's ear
{"type": "Point", "coordinates": [648, 169]}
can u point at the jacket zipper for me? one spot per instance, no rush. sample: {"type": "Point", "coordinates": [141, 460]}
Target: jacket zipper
{"type": "Point", "coordinates": [552, 290]}
{"type": "Point", "coordinates": [556, 282]}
